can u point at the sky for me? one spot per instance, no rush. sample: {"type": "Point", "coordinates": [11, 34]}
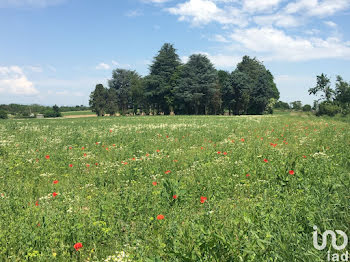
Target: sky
{"type": "Point", "coordinates": [56, 51]}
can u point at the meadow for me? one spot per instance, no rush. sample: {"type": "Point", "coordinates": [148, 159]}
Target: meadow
{"type": "Point", "coordinates": [172, 188]}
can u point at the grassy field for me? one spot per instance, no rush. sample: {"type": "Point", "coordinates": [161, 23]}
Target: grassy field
{"type": "Point", "coordinates": [172, 188]}
{"type": "Point", "coordinates": [75, 113]}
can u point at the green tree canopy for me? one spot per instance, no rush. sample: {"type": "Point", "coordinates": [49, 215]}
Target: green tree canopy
{"type": "Point", "coordinates": [98, 100]}
{"type": "Point", "coordinates": [197, 85]}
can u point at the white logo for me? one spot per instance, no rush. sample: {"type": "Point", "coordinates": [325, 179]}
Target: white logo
{"type": "Point", "coordinates": [334, 239]}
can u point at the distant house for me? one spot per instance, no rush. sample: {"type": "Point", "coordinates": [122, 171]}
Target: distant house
{"type": "Point", "coordinates": [39, 116]}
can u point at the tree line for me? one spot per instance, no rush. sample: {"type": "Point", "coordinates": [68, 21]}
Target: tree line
{"type": "Point", "coordinates": [195, 87]}
{"type": "Point", "coordinates": [28, 111]}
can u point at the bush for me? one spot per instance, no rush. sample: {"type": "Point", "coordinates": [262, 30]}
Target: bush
{"type": "Point", "coordinates": [306, 108]}
{"type": "Point", "coordinates": [3, 114]}
{"type": "Point", "coordinates": [328, 108]}
{"type": "Point", "coordinates": [51, 113]}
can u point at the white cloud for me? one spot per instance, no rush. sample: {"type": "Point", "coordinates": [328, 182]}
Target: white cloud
{"type": "Point", "coordinates": [103, 66]}
{"type": "Point", "coordinates": [29, 3]}
{"type": "Point", "coordinates": [201, 12]}
{"type": "Point", "coordinates": [317, 8]}
{"type": "Point", "coordinates": [330, 24]}
{"type": "Point", "coordinates": [281, 20]}
{"type": "Point", "coordinates": [14, 81]}
{"type": "Point", "coordinates": [277, 45]}
{"type": "Point", "coordinates": [260, 5]}
{"type": "Point", "coordinates": [220, 38]}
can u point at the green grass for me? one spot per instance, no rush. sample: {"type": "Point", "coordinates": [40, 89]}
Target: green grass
{"type": "Point", "coordinates": [113, 206]}
{"type": "Point", "coordinates": [74, 113]}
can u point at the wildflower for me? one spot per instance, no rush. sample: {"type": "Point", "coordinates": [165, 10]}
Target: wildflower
{"type": "Point", "coordinates": [291, 172]}
{"type": "Point", "coordinates": [96, 164]}
{"type": "Point", "coordinates": [82, 148]}
{"type": "Point", "coordinates": [55, 181]}
{"type": "Point", "coordinates": [47, 157]}
{"type": "Point", "coordinates": [304, 156]}
{"type": "Point", "coordinates": [78, 246]}
{"type": "Point", "coordinates": [242, 139]}
{"type": "Point", "coordinates": [113, 144]}
{"type": "Point", "coordinates": [265, 160]}
{"type": "Point", "coordinates": [54, 194]}
{"type": "Point", "coordinates": [37, 203]}
{"type": "Point", "coordinates": [174, 196]}
{"type": "Point", "coordinates": [154, 183]}
{"type": "Point", "coordinates": [158, 150]}
{"type": "Point", "coordinates": [70, 165]}
{"type": "Point", "coordinates": [225, 153]}
{"type": "Point", "coordinates": [160, 217]}
{"type": "Point", "coordinates": [85, 154]}
{"type": "Point", "coordinates": [87, 165]}
{"type": "Point", "coordinates": [167, 172]}
{"type": "Point", "coordinates": [247, 175]}
{"type": "Point", "coordinates": [219, 152]}
{"type": "Point", "coordinates": [70, 147]}
{"type": "Point", "coordinates": [203, 199]}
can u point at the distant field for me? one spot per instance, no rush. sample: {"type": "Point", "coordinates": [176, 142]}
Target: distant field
{"type": "Point", "coordinates": [74, 113]}
{"type": "Point", "coordinates": [172, 188]}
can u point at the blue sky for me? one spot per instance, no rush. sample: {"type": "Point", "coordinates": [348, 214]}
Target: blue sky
{"type": "Point", "coordinates": [56, 51]}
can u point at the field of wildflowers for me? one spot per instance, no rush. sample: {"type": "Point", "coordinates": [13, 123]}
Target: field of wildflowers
{"type": "Point", "coordinates": [172, 188]}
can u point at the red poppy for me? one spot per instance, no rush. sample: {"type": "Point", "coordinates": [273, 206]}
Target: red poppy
{"type": "Point", "coordinates": [78, 246]}
{"type": "Point", "coordinates": [203, 199]}
{"type": "Point", "coordinates": [70, 165]}
{"type": "Point", "coordinates": [113, 144]}
{"type": "Point", "coordinates": [225, 153]}
{"type": "Point", "coordinates": [175, 160]}
{"type": "Point", "coordinates": [219, 152]}
{"type": "Point", "coordinates": [174, 196]}
{"type": "Point", "coordinates": [110, 130]}
{"type": "Point", "coordinates": [265, 160]}
{"type": "Point", "coordinates": [82, 148]}
{"type": "Point", "coordinates": [54, 194]}
{"type": "Point", "coordinates": [87, 165]}
{"type": "Point", "coordinates": [247, 175]}
{"type": "Point", "coordinates": [304, 156]}
{"type": "Point", "coordinates": [167, 172]}
{"type": "Point", "coordinates": [37, 203]}
{"type": "Point", "coordinates": [147, 154]}
{"type": "Point", "coordinates": [202, 147]}
{"type": "Point", "coordinates": [96, 164]}
{"type": "Point", "coordinates": [154, 183]}
{"type": "Point", "coordinates": [96, 143]}
{"type": "Point", "coordinates": [242, 139]}
{"type": "Point", "coordinates": [70, 147]}
{"type": "Point", "coordinates": [133, 158]}
{"type": "Point", "coordinates": [160, 217]}
{"type": "Point", "coordinates": [291, 172]}
{"type": "Point", "coordinates": [55, 181]}
{"type": "Point", "coordinates": [158, 150]}
{"type": "Point", "coordinates": [47, 157]}
{"type": "Point", "coordinates": [85, 154]}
